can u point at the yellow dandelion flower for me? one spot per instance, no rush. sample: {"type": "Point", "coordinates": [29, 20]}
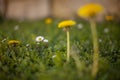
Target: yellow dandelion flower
{"type": "Point", "coordinates": [90, 10]}
{"type": "Point", "coordinates": [48, 21]}
{"type": "Point", "coordinates": [109, 18]}
{"type": "Point", "coordinates": [13, 42]}
{"type": "Point", "coordinates": [66, 23]}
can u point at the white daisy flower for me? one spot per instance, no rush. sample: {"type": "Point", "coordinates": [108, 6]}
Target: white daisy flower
{"type": "Point", "coordinates": [45, 40]}
{"type": "Point", "coordinates": [106, 30]}
{"type": "Point", "coordinates": [39, 39]}
{"type": "Point", "coordinates": [53, 56]}
{"type": "Point", "coordinates": [27, 45]}
{"type": "Point", "coordinates": [100, 40]}
{"type": "Point", "coordinates": [16, 27]}
{"type": "Point", "coordinates": [80, 26]}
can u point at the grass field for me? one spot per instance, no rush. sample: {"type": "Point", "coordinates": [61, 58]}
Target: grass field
{"type": "Point", "coordinates": [47, 61]}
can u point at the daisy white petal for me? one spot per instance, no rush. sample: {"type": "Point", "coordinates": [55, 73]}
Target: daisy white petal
{"type": "Point", "coordinates": [45, 40]}
{"type": "Point", "coordinates": [3, 40]}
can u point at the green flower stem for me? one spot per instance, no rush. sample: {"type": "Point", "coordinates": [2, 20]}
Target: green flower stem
{"type": "Point", "coordinates": [68, 45]}
{"type": "Point", "coordinates": [95, 48]}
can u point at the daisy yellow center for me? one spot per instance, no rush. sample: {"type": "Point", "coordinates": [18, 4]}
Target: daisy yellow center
{"type": "Point", "coordinates": [40, 39]}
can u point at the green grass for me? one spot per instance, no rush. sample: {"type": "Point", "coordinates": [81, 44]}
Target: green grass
{"type": "Point", "coordinates": [36, 62]}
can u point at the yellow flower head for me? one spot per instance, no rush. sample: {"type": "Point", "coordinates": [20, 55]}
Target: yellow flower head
{"type": "Point", "coordinates": [66, 23]}
{"type": "Point", "coordinates": [48, 21]}
{"type": "Point", "coordinates": [90, 10]}
{"type": "Point", "coordinates": [109, 18]}
{"type": "Point", "coordinates": [13, 42]}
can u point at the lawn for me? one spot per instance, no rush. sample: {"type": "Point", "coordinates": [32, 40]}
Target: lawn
{"type": "Point", "coordinates": [47, 60]}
